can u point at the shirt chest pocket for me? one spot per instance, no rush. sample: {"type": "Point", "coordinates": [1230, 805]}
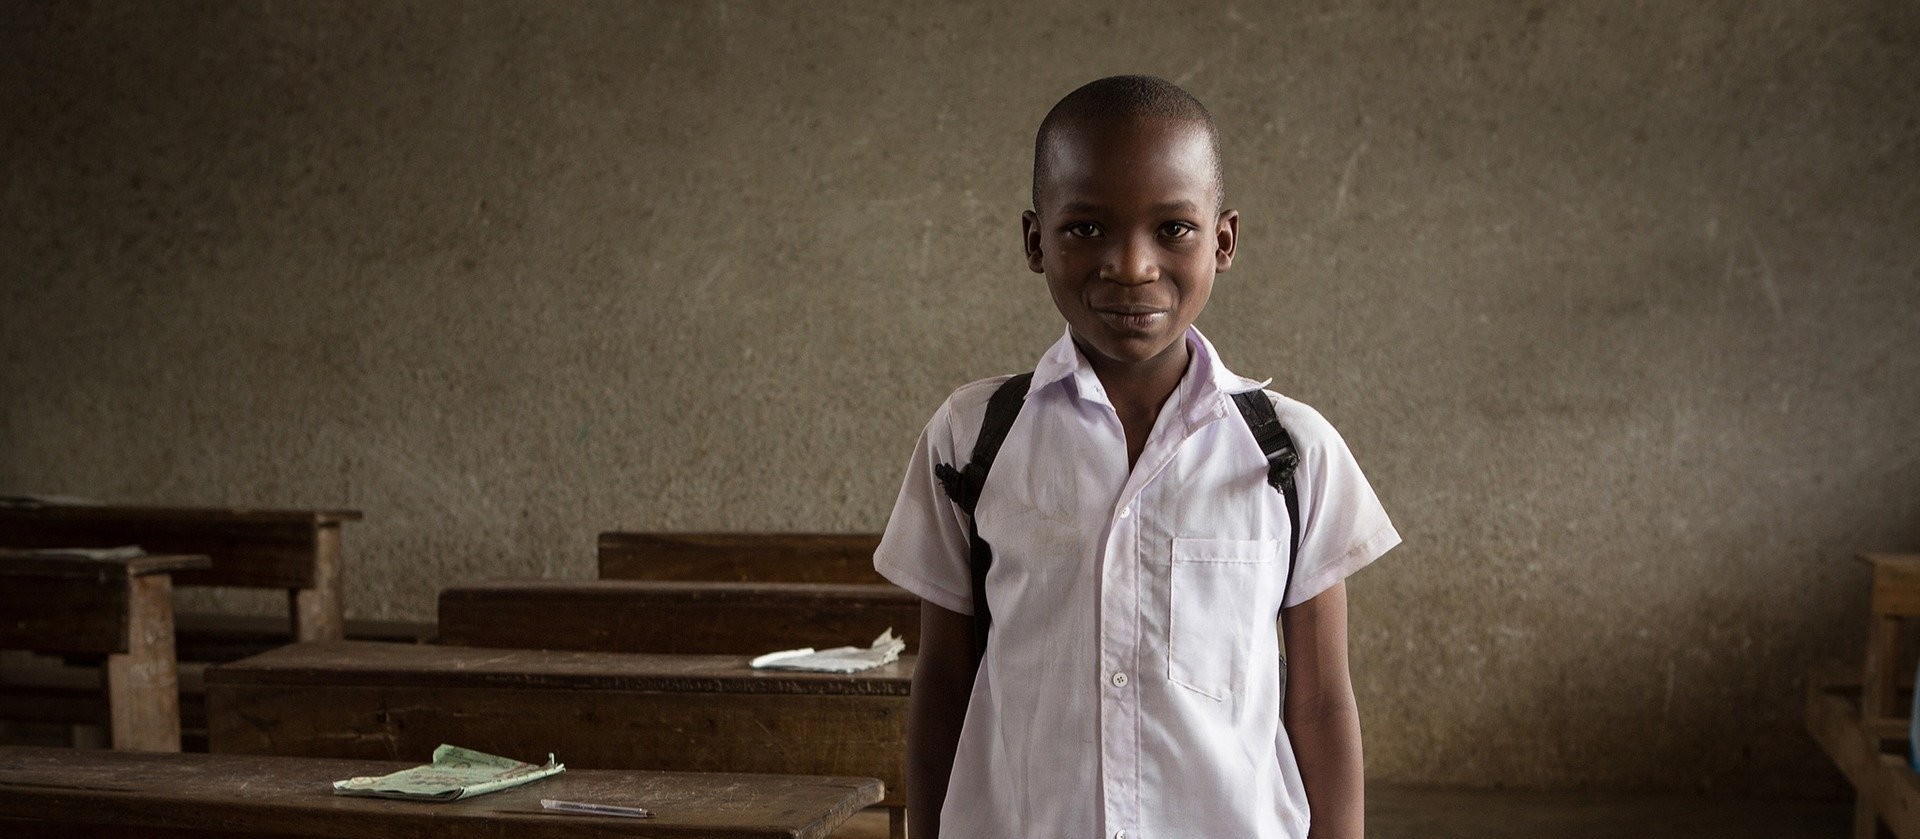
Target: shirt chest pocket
{"type": "Point", "coordinates": [1224, 601]}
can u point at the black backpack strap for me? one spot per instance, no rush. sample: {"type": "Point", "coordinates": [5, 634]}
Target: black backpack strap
{"type": "Point", "coordinates": [963, 486]}
{"type": "Point", "coordinates": [1282, 460]}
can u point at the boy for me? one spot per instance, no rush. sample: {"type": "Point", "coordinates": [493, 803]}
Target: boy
{"type": "Point", "coordinates": [1131, 681]}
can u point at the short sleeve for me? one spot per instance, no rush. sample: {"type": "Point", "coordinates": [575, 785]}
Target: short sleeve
{"type": "Point", "coordinates": [924, 549]}
{"type": "Point", "coordinates": [1343, 528]}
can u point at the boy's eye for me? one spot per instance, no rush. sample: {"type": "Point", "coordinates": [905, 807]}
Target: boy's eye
{"type": "Point", "coordinates": [1083, 230]}
{"type": "Point", "coordinates": [1177, 230]}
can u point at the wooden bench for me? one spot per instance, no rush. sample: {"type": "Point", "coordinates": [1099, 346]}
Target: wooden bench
{"type": "Point", "coordinates": [1875, 764]}
{"type": "Point", "coordinates": [297, 551]}
{"type": "Point", "coordinates": [595, 710]}
{"type": "Point", "coordinates": [51, 692]}
{"type": "Point", "coordinates": [66, 792]}
{"type": "Point", "coordinates": [119, 610]}
{"type": "Point", "coordinates": [638, 616]}
{"type": "Point", "coordinates": [1863, 725]}
{"type": "Point", "coordinates": [740, 557]}
{"type": "Point", "coordinates": [294, 550]}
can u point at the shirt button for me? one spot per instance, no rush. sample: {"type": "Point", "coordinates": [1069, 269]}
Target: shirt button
{"type": "Point", "coordinates": [1119, 680]}
{"type": "Point", "coordinates": [1119, 834]}
{"type": "Point", "coordinates": [1125, 512]}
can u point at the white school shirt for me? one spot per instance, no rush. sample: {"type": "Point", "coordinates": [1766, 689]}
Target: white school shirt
{"type": "Point", "coordinates": [1131, 686]}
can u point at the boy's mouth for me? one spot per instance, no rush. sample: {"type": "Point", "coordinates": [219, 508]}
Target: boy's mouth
{"type": "Point", "coordinates": [1132, 317]}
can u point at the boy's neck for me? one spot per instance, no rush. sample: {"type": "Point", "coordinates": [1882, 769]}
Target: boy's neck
{"type": "Point", "coordinates": [1138, 390]}
{"type": "Point", "coordinates": [1145, 385]}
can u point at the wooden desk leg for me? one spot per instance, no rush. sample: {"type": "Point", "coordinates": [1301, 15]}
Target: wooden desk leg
{"type": "Point", "coordinates": [318, 614]}
{"type": "Point", "coordinates": [1866, 823]}
{"type": "Point", "coordinates": [143, 685]}
{"type": "Point", "coordinates": [896, 823]}
{"type": "Point", "coordinates": [1878, 692]}
{"type": "Point", "coordinates": [1879, 682]}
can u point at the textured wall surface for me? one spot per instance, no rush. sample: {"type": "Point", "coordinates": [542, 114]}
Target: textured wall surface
{"type": "Point", "coordinates": [1619, 305]}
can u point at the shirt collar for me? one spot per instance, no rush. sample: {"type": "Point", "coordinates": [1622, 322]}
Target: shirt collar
{"type": "Point", "coordinates": [1204, 390]}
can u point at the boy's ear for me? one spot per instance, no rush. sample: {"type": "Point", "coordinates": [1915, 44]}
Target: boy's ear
{"type": "Point", "coordinates": [1226, 234]}
{"type": "Point", "coordinates": [1030, 239]}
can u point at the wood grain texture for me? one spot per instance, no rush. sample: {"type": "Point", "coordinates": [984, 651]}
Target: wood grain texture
{"type": "Point", "coordinates": [319, 610]}
{"type": "Point", "coordinates": [598, 710]}
{"type": "Point", "coordinates": [143, 685]}
{"type": "Point", "coordinates": [740, 557]}
{"type": "Point", "coordinates": [674, 617]}
{"type": "Point", "coordinates": [62, 792]}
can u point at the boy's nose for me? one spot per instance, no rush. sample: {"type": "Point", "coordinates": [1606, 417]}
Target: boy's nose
{"type": "Point", "coordinates": [1131, 263]}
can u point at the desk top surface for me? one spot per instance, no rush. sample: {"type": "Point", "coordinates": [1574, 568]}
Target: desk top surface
{"type": "Point", "coordinates": [293, 796]}
{"type": "Point", "coordinates": [42, 563]}
{"type": "Point", "coordinates": [720, 591]}
{"type": "Point", "coordinates": [376, 664]}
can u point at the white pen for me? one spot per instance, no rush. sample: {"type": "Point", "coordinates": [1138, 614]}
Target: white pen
{"type": "Point", "coordinates": [594, 809]}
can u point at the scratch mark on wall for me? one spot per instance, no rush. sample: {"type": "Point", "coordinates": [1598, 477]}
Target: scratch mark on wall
{"type": "Point", "coordinates": [1193, 71]}
{"type": "Point", "coordinates": [926, 246]}
{"type": "Point", "coordinates": [1666, 705]}
{"type": "Point", "coordinates": [1680, 436]}
{"type": "Point", "coordinates": [920, 197]}
{"type": "Point", "coordinates": [1346, 180]}
{"type": "Point", "coordinates": [1766, 277]}
{"type": "Point", "coordinates": [706, 281]}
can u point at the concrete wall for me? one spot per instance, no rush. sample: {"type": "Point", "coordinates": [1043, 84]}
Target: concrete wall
{"type": "Point", "coordinates": [1618, 305]}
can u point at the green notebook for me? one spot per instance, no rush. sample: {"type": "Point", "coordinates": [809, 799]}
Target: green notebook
{"type": "Point", "coordinates": [455, 773]}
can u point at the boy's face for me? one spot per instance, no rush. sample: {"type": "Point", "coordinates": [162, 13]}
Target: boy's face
{"type": "Point", "coordinates": [1129, 233]}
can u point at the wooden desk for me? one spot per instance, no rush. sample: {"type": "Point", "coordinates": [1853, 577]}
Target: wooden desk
{"type": "Point", "coordinates": [1896, 598]}
{"type": "Point", "coordinates": [62, 792]}
{"type": "Point", "coordinates": [295, 550]}
{"type": "Point", "coordinates": [1874, 761]}
{"type": "Point", "coordinates": [596, 710]}
{"type": "Point", "coordinates": [641, 616]}
{"type": "Point", "coordinates": [741, 557]}
{"type": "Point", "coordinates": [1858, 722]}
{"type": "Point", "coordinates": [118, 609]}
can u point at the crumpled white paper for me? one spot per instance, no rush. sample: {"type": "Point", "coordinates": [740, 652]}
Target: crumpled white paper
{"type": "Point", "coordinates": [885, 649]}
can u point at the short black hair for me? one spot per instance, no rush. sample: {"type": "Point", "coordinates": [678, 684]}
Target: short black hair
{"type": "Point", "coordinates": [1126, 97]}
